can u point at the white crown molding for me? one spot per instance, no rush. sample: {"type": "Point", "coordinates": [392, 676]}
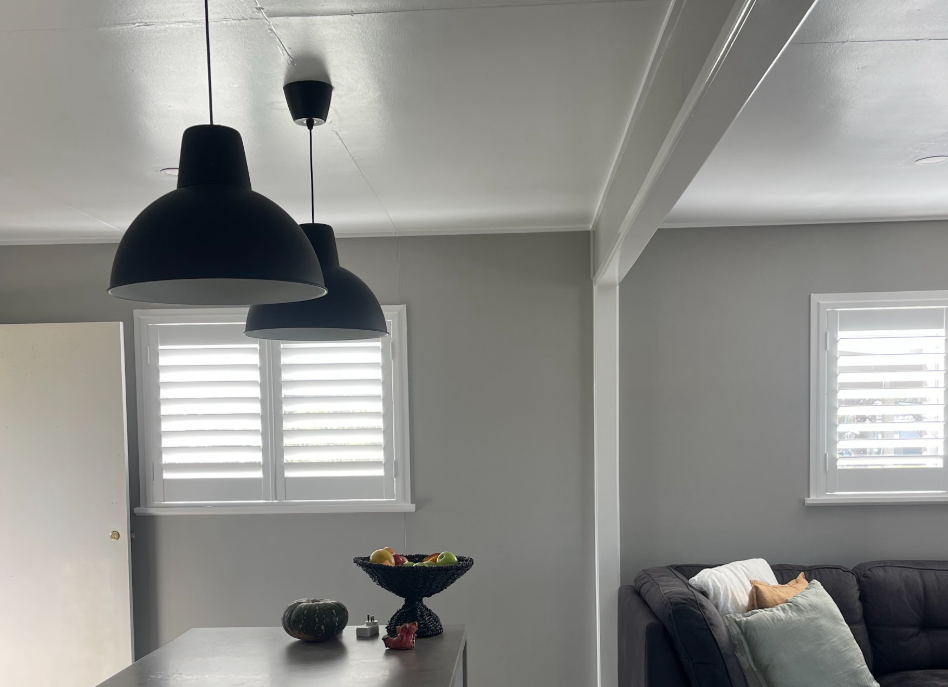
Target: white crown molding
{"type": "Point", "coordinates": [58, 241]}
{"type": "Point", "coordinates": [465, 232]}
{"type": "Point", "coordinates": [62, 241]}
{"type": "Point", "coordinates": [803, 223]}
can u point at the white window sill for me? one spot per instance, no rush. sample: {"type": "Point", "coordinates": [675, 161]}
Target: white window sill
{"type": "Point", "coordinates": [880, 500]}
{"type": "Point", "coordinates": [258, 508]}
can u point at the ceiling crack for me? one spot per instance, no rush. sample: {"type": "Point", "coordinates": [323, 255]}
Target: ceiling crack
{"type": "Point", "coordinates": [183, 23]}
{"type": "Point", "coordinates": [502, 4]}
{"type": "Point", "coordinates": [259, 9]}
{"type": "Point", "coordinates": [44, 193]}
{"type": "Point", "coordinates": [263, 13]}
{"type": "Point", "coordinates": [364, 178]}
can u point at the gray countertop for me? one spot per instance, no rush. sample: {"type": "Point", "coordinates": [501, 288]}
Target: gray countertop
{"type": "Point", "coordinates": [267, 657]}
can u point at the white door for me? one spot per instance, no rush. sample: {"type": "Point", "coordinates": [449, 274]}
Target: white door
{"type": "Point", "coordinates": [65, 613]}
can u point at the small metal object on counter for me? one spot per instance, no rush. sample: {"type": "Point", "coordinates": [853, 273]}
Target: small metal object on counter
{"type": "Point", "coordinates": [370, 629]}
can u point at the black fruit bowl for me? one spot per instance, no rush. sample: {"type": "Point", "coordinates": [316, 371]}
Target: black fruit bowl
{"type": "Point", "coordinates": [415, 584]}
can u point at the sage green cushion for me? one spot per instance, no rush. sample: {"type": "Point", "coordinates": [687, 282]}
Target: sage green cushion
{"type": "Point", "coordinates": [803, 642]}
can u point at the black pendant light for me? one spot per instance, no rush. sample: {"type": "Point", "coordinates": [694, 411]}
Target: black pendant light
{"type": "Point", "coordinates": [350, 310]}
{"type": "Point", "coordinates": [214, 241]}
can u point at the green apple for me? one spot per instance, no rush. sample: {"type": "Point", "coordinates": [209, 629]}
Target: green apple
{"type": "Point", "coordinates": [407, 564]}
{"type": "Point", "coordinates": [424, 564]}
{"type": "Point", "coordinates": [447, 558]}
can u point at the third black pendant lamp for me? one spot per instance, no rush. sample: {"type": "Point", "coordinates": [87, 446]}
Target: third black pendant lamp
{"type": "Point", "coordinates": [214, 241]}
{"type": "Point", "coordinates": [350, 310]}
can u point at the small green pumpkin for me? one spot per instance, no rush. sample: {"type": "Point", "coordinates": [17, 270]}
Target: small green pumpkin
{"type": "Point", "coordinates": [315, 620]}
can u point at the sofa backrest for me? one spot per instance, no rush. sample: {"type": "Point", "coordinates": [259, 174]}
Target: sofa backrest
{"type": "Point", "coordinates": [906, 610]}
{"type": "Point", "coordinates": [843, 585]}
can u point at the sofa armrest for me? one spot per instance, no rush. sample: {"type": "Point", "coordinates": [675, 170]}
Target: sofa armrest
{"type": "Point", "coordinates": [697, 630]}
{"type": "Point", "coordinates": [647, 657]}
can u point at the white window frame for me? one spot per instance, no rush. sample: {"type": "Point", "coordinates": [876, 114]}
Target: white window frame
{"type": "Point", "coordinates": [149, 452]}
{"type": "Point", "coordinates": [820, 347]}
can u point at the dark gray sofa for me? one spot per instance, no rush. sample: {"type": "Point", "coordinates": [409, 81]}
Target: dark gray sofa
{"type": "Point", "coordinates": [670, 635]}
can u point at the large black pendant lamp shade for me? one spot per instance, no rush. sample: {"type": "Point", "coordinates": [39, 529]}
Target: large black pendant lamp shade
{"type": "Point", "coordinates": [214, 241]}
{"type": "Point", "coordinates": [350, 310]}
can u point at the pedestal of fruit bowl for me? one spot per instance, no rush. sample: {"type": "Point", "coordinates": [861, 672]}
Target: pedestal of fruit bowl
{"type": "Point", "coordinates": [414, 585]}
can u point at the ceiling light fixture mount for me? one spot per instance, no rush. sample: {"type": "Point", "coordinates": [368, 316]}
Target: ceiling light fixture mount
{"type": "Point", "coordinates": [350, 311]}
{"type": "Point", "coordinates": [308, 101]}
{"type": "Point", "coordinates": [213, 240]}
{"type": "Point", "coordinates": [931, 160]}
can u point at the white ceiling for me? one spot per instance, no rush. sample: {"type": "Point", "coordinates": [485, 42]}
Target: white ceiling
{"type": "Point", "coordinates": [832, 133]}
{"type": "Point", "coordinates": [451, 116]}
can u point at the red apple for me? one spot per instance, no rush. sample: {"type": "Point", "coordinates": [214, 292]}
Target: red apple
{"type": "Point", "coordinates": [399, 559]}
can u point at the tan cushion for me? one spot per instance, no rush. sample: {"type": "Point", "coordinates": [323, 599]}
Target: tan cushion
{"type": "Point", "coordinates": [763, 595]}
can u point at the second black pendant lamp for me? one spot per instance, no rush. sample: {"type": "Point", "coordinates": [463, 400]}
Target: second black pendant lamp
{"type": "Point", "coordinates": [214, 241]}
{"type": "Point", "coordinates": [350, 310]}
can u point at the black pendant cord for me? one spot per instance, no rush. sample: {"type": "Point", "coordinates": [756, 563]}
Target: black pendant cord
{"type": "Point", "coordinates": [207, 44]}
{"type": "Point", "coordinates": [312, 184]}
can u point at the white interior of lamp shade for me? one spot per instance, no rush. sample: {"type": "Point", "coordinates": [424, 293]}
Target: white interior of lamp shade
{"type": "Point", "coordinates": [218, 291]}
{"type": "Point", "coordinates": [315, 334]}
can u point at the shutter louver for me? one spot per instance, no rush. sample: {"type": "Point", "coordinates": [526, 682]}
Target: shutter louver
{"type": "Point", "coordinates": [890, 400]}
{"type": "Point", "coordinates": [333, 420]}
{"type": "Point", "coordinates": [211, 410]}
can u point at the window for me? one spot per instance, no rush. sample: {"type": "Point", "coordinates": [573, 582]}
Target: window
{"type": "Point", "coordinates": [878, 398]}
{"type": "Point", "coordinates": [233, 424]}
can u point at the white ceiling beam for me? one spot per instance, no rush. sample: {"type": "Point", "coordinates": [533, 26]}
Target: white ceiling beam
{"type": "Point", "coordinates": [669, 137]}
{"type": "Point", "coordinates": [641, 193]}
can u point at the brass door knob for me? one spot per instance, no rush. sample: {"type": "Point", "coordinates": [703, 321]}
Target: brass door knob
{"type": "Point", "coordinates": [115, 535]}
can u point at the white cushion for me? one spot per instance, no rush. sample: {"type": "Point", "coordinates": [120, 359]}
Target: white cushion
{"type": "Point", "coordinates": [728, 586]}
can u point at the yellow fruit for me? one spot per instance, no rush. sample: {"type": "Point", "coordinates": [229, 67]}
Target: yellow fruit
{"type": "Point", "coordinates": [382, 556]}
{"type": "Point", "coordinates": [390, 550]}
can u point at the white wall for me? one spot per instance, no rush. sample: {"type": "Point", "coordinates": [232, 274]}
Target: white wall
{"type": "Point", "coordinates": [714, 394]}
{"type": "Point", "coordinates": [500, 371]}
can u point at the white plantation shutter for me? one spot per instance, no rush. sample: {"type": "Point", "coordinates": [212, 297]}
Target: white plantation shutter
{"type": "Point", "coordinates": [226, 419]}
{"type": "Point", "coordinates": [333, 420]}
{"type": "Point", "coordinates": [210, 430]}
{"type": "Point", "coordinates": [883, 365]}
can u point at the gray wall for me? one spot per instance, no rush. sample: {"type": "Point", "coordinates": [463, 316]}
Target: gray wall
{"type": "Point", "coordinates": [715, 393]}
{"type": "Point", "coordinates": [500, 371]}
